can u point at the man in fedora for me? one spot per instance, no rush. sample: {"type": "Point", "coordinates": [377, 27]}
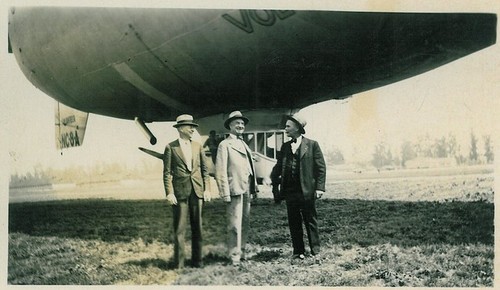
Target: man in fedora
{"type": "Point", "coordinates": [186, 180]}
{"type": "Point", "coordinates": [299, 178]}
{"type": "Point", "coordinates": [235, 176]}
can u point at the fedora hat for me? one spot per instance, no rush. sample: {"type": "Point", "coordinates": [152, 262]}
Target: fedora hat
{"type": "Point", "coordinates": [299, 120]}
{"type": "Point", "coordinates": [235, 115]}
{"type": "Point", "coordinates": [185, 119]}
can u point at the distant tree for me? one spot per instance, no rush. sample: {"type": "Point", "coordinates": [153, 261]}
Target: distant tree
{"type": "Point", "coordinates": [473, 148]}
{"type": "Point", "coordinates": [335, 156]}
{"type": "Point", "coordinates": [382, 156]}
{"type": "Point", "coordinates": [407, 152]}
{"type": "Point", "coordinates": [396, 160]}
{"type": "Point", "coordinates": [440, 148]}
{"type": "Point", "coordinates": [424, 145]}
{"type": "Point", "coordinates": [388, 157]}
{"type": "Point", "coordinates": [488, 150]}
{"type": "Point", "coordinates": [459, 157]}
{"type": "Point", "coordinates": [452, 145]}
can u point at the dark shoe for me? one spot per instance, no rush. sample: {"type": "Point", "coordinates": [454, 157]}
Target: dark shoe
{"type": "Point", "coordinates": [197, 265]}
{"type": "Point", "coordinates": [299, 256]}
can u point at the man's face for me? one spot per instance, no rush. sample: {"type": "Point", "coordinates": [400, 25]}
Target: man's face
{"type": "Point", "coordinates": [237, 127]}
{"type": "Point", "coordinates": [292, 129]}
{"type": "Point", "coordinates": [186, 131]}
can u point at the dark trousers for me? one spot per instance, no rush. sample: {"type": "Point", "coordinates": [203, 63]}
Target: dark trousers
{"type": "Point", "coordinates": [303, 211]}
{"type": "Point", "coordinates": [193, 205]}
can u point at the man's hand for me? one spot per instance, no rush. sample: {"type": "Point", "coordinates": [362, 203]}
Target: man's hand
{"type": "Point", "coordinates": [207, 195]}
{"type": "Point", "coordinates": [319, 194]}
{"type": "Point", "coordinates": [171, 199]}
{"type": "Point", "coordinates": [254, 195]}
{"type": "Point", "coordinates": [227, 198]}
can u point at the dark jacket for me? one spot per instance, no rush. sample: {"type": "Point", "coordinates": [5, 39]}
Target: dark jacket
{"type": "Point", "coordinates": [312, 169]}
{"type": "Point", "coordinates": [177, 178]}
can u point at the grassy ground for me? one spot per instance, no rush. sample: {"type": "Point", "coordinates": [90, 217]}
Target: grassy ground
{"type": "Point", "coordinates": [365, 243]}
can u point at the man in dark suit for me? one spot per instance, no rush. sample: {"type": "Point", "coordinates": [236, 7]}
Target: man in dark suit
{"type": "Point", "coordinates": [186, 181]}
{"type": "Point", "coordinates": [299, 178]}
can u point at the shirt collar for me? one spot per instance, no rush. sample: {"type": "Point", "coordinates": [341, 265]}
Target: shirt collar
{"type": "Point", "coordinates": [182, 141]}
{"type": "Point", "coordinates": [233, 136]}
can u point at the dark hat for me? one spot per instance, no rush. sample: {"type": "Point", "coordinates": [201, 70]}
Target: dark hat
{"type": "Point", "coordinates": [299, 120]}
{"type": "Point", "coordinates": [185, 120]}
{"type": "Point", "coordinates": [235, 115]}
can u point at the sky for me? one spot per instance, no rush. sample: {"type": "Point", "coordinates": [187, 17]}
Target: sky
{"type": "Point", "coordinates": [455, 98]}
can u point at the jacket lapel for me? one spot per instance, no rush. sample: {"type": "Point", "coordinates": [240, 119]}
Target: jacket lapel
{"type": "Point", "coordinates": [304, 146]}
{"type": "Point", "coordinates": [194, 156]}
{"type": "Point", "coordinates": [178, 151]}
{"type": "Point", "coordinates": [235, 147]}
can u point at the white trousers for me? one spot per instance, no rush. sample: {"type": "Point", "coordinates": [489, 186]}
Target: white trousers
{"type": "Point", "coordinates": [238, 214]}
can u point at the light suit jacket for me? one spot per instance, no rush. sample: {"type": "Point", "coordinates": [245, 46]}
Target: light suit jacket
{"type": "Point", "coordinates": [312, 168]}
{"type": "Point", "coordinates": [177, 178]}
{"type": "Point", "coordinates": [231, 168]}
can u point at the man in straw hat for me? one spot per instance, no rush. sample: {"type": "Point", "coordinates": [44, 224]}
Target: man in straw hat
{"type": "Point", "coordinates": [299, 178]}
{"type": "Point", "coordinates": [235, 175]}
{"type": "Point", "coordinates": [186, 180]}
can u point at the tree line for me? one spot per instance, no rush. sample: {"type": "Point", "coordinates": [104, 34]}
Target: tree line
{"type": "Point", "coordinates": [423, 147]}
{"type": "Point", "coordinates": [382, 156]}
{"type": "Point", "coordinates": [100, 172]}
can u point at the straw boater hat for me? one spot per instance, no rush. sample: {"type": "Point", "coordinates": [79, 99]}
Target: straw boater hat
{"type": "Point", "coordinates": [300, 121]}
{"type": "Point", "coordinates": [185, 120]}
{"type": "Point", "coordinates": [235, 115]}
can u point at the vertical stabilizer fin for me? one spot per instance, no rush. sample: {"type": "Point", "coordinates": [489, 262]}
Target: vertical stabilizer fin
{"type": "Point", "coordinates": [70, 126]}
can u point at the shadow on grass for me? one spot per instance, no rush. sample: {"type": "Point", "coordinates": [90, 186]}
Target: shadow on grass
{"type": "Point", "coordinates": [210, 258]}
{"type": "Point", "coordinates": [157, 263]}
{"type": "Point", "coordinates": [351, 222]}
{"type": "Point", "coordinates": [267, 256]}
{"type": "Point", "coordinates": [215, 258]}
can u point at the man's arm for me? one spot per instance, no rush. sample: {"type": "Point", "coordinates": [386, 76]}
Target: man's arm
{"type": "Point", "coordinates": [204, 174]}
{"type": "Point", "coordinates": [276, 176]}
{"type": "Point", "coordinates": [276, 171]}
{"type": "Point", "coordinates": [204, 169]}
{"type": "Point", "coordinates": [319, 167]}
{"type": "Point", "coordinates": [221, 171]}
{"type": "Point", "coordinates": [167, 175]}
{"type": "Point", "coordinates": [167, 170]}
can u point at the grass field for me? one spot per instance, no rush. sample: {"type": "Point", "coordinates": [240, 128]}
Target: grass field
{"type": "Point", "coordinates": [365, 242]}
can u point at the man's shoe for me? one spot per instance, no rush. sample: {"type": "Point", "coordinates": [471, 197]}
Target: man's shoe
{"type": "Point", "coordinates": [298, 256]}
{"type": "Point", "coordinates": [197, 265]}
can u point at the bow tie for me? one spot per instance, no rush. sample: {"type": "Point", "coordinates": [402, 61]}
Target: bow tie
{"type": "Point", "coordinates": [240, 137]}
{"type": "Point", "coordinates": [294, 140]}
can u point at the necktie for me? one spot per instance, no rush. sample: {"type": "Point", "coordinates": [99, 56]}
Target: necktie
{"type": "Point", "coordinates": [294, 145]}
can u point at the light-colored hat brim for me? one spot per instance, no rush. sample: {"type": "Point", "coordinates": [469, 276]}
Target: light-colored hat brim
{"type": "Point", "coordinates": [184, 124]}
{"type": "Point", "coordinates": [226, 123]}
{"type": "Point", "coordinates": [291, 118]}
